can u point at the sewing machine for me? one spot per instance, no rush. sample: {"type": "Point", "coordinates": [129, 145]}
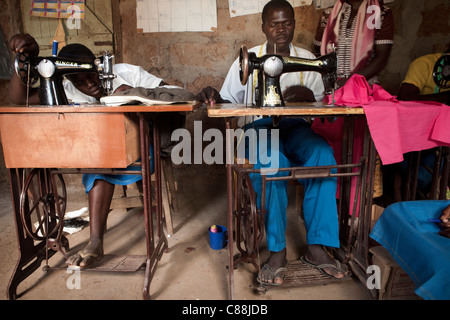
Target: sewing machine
{"type": "Point", "coordinates": [271, 66]}
{"type": "Point", "coordinates": [441, 72]}
{"type": "Point", "coordinates": [50, 71]}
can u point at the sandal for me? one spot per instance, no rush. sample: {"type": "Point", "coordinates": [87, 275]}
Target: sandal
{"type": "Point", "coordinates": [87, 255]}
{"type": "Point", "coordinates": [320, 267]}
{"type": "Point", "coordinates": [278, 273]}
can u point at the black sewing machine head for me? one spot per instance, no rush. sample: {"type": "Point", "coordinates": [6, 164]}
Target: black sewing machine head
{"type": "Point", "coordinates": [50, 71]}
{"type": "Point", "coordinates": [271, 66]}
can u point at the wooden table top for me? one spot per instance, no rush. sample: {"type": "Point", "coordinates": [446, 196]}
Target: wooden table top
{"type": "Point", "coordinates": [98, 108]}
{"type": "Point", "coordinates": [291, 109]}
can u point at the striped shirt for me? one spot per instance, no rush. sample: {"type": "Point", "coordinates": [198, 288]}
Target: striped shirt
{"type": "Point", "coordinates": [384, 35]}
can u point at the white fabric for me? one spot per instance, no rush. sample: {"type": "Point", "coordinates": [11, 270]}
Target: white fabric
{"type": "Point", "coordinates": [134, 76]}
{"type": "Point", "coordinates": [233, 91]}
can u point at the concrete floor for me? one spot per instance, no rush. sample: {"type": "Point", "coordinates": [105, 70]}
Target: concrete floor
{"type": "Point", "coordinates": [191, 270]}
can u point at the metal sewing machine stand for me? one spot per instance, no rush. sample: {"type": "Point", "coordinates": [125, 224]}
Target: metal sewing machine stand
{"type": "Point", "coordinates": [39, 195]}
{"type": "Point", "coordinates": [243, 211]}
{"type": "Point", "coordinates": [249, 220]}
{"type": "Point", "coordinates": [39, 200]}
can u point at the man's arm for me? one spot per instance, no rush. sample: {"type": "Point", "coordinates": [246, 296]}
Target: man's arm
{"type": "Point", "coordinates": [382, 52]}
{"type": "Point", "coordinates": [409, 92]}
{"type": "Point", "coordinates": [25, 44]}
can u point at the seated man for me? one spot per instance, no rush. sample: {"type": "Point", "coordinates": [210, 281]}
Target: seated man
{"type": "Point", "coordinates": [86, 88]}
{"type": "Point", "coordinates": [420, 246]}
{"type": "Point", "coordinates": [418, 85]}
{"type": "Point", "coordinates": [298, 146]}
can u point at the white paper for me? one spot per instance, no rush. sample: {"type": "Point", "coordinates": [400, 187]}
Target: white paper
{"type": "Point", "coordinates": [176, 15]}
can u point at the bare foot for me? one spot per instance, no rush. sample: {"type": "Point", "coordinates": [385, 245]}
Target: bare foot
{"type": "Point", "coordinates": [317, 255]}
{"type": "Point", "coordinates": [273, 270]}
{"type": "Point", "coordinates": [91, 253]}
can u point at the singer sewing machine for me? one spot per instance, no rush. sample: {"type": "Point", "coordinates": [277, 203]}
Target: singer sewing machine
{"type": "Point", "coordinates": [50, 72]}
{"type": "Point", "coordinates": [271, 66]}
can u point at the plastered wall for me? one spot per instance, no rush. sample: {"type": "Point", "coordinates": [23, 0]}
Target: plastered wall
{"type": "Point", "coordinates": [196, 59]}
{"type": "Point", "coordinates": [199, 59]}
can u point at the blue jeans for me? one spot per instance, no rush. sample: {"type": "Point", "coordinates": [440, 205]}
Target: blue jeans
{"type": "Point", "coordinates": [298, 146]}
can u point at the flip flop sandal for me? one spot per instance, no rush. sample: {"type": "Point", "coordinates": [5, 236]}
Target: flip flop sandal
{"type": "Point", "coordinates": [337, 266]}
{"type": "Point", "coordinates": [88, 255]}
{"type": "Point", "coordinates": [274, 275]}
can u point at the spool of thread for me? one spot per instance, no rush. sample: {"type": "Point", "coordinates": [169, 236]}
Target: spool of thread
{"type": "Point", "coordinates": [55, 48]}
{"type": "Point", "coordinates": [213, 228]}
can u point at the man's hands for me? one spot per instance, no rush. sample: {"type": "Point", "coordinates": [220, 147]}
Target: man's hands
{"type": "Point", "coordinates": [122, 87]}
{"type": "Point", "coordinates": [209, 95]}
{"type": "Point", "coordinates": [24, 43]}
{"type": "Point", "coordinates": [445, 218]}
{"type": "Point", "coordinates": [298, 94]}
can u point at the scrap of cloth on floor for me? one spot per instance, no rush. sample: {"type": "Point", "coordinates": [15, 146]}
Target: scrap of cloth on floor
{"type": "Point", "coordinates": [414, 243]}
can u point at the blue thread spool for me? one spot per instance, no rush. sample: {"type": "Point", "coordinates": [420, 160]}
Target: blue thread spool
{"type": "Point", "coordinates": [55, 48]}
{"type": "Point", "coordinates": [218, 239]}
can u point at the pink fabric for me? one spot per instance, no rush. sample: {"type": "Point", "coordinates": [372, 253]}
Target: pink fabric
{"type": "Point", "coordinates": [357, 92]}
{"type": "Point", "coordinates": [396, 126]}
{"type": "Point", "coordinates": [363, 37]}
{"type": "Point", "coordinates": [441, 131]}
{"type": "Point", "coordinates": [401, 127]}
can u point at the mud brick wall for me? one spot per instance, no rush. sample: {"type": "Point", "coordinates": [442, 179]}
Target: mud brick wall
{"type": "Point", "coordinates": [196, 59]}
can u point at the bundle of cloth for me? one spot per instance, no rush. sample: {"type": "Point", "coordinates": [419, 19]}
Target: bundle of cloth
{"type": "Point", "coordinates": [414, 243]}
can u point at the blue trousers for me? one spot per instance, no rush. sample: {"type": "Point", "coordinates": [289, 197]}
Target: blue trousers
{"type": "Point", "coordinates": [298, 146]}
{"type": "Point", "coordinates": [117, 179]}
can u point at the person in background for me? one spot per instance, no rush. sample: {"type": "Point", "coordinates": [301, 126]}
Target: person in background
{"type": "Point", "coordinates": [85, 88]}
{"type": "Point", "coordinates": [418, 85]}
{"type": "Point", "coordinates": [417, 236]}
{"type": "Point", "coordinates": [362, 32]}
{"type": "Point", "coordinates": [445, 222]}
{"type": "Point", "coordinates": [298, 146]}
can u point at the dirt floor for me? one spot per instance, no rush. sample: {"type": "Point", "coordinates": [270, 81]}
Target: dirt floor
{"type": "Point", "coordinates": [190, 270]}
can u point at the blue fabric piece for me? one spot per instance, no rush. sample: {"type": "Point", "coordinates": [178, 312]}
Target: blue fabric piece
{"type": "Point", "coordinates": [298, 146]}
{"type": "Point", "coordinates": [119, 179]}
{"type": "Point", "coordinates": [416, 246]}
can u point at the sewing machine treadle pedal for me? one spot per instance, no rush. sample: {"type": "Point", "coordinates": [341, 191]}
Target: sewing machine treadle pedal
{"type": "Point", "coordinates": [298, 274]}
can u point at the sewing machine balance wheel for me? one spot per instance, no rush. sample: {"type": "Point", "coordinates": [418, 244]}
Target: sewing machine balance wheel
{"type": "Point", "coordinates": [43, 205]}
{"type": "Point", "coordinates": [243, 65]}
{"type": "Point", "coordinates": [249, 223]}
{"type": "Point", "coordinates": [22, 67]}
{"type": "Point", "coordinates": [441, 72]}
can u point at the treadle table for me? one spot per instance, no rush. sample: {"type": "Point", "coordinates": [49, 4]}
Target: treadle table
{"type": "Point", "coordinates": [354, 236]}
{"type": "Point", "coordinates": [77, 139]}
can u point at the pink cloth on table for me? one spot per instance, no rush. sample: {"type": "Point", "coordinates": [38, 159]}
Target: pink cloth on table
{"type": "Point", "coordinates": [354, 93]}
{"type": "Point", "coordinates": [396, 126]}
{"type": "Point", "coordinates": [406, 126]}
